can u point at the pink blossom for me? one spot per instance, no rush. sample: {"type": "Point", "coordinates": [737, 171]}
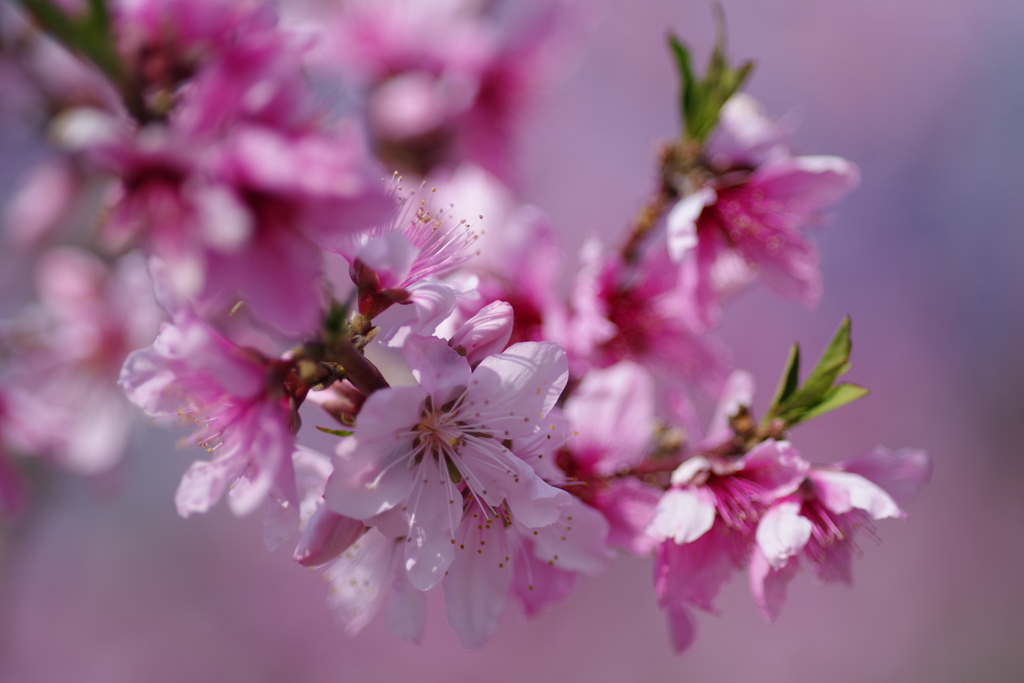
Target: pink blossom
{"type": "Point", "coordinates": [818, 521]}
{"type": "Point", "coordinates": [707, 522]}
{"type": "Point", "coordinates": [236, 396]}
{"type": "Point", "coordinates": [422, 448]}
{"type": "Point", "coordinates": [62, 398]}
{"type": "Point", "coordinates": [612, 417]}
{"type": "Point", "coordinates": [444, 83]}
{"type": "Point", "coordinates": [423, 241]}
{"type": "Point", "coordinates": [639, 314]}
{"type": "Point", "coordinates": [748, 220]}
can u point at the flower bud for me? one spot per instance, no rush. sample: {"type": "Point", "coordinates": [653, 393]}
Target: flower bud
{"type": "Point", "coordinates": [485, 333]}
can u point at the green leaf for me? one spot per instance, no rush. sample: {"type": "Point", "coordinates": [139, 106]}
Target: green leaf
{"type": "Point", "coordinates": [790, 379]}
{"type": "Point", "coordinates": [837, 397]}
{"type": "Point", "coordinates": [835, 361]}
{"type": "Point", "coordinates": [819, 394]}
{"type": "Point", "coordinates": [335, 432]}
{"type": "Point", "coordinates": [87, 34]}
{"type": "Point", "coordinates": [701, 99]}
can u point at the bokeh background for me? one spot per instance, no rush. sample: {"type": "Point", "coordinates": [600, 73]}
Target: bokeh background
{"type": "Point", "coordinates": [105, 583]}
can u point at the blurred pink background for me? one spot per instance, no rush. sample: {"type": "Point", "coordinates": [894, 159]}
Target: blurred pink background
{"type": "Point", "coordinates": [107, 584]}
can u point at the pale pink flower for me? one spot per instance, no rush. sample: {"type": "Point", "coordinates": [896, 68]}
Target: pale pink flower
{"type": "Point", "coordinates": [236, 396]}
{"type": "Point", "coordinates": [62, 398]}
{"type": "Point", "coordinates": [817, 523]}
{"type": "Point", "coordinates": [423, 448]}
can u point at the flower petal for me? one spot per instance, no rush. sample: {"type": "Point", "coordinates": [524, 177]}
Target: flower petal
{"type": "Point", "coordinates": [511, 392]}
{"type": "Point", "coordinates": [840, 492]}
{"type": "Point", "coordinates": [782, 532]}
{"type": "Point", "coordinates": [479, 580]}
{"type": "Point", "coordinates": [683, 515]}
{"type": "Point", "coordinates": [768, 584]}
{"type": "Point", "coordinates": [900, 473]}
{"type": "Point", "coordinates": [681, 222]}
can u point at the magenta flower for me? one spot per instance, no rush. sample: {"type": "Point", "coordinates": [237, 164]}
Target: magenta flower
{"type": "Point", "coordinates": [423, 448]}
{"type": "Point", "coordinates": [639, 314]}
{"type": "Point", "coordinates": [818, 521]}
{"type": "Point", "coordinates": [236, 397]}
{"type": "Point", "coordinates": [706, 523]}
{"type": "Point", "coordinates": [748, 220]}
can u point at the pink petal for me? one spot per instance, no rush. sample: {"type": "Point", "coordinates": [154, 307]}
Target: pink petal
{"type": "Point", "coordinates": [283, 512]}
{"type": "Point", "coordinates": [437, 367]}
{"type": "Point", "coordinates": [613, 413]}
{"type": "Point", "coordinates": [577, 542]}
{"type": "Point", "coordinates": [768, 584]}
{"type": "Point", "coordinates": [682, 628]}
{"type": "Point", "coordinates": [776, 466]}
{"type": "Point", "coordinates": [366, 479]}
{"type": "Point", "coordinates": [486, 333]}
{"type": "Point", "coordinates": [479, 580]}
{"type": "Point", "coordinates": [358, 580]}
{"type": "Point", "coordinates": [205, 482]}
{"type": "Point", "coordinates": [629, 507]}
{"type": "Point", "coordinates": [326, 535]}
{"type": "Point", "coordinates": [434, 513]}
{"type": "Point", "coordinates": [900, 473]}
{"type": "Point", "coordinates": [406, 612]}
{"type": "Point", "coordinates": [539, 585]}
{"type": "Point", "coordinates": [513, 391]}
{"type": "Point", "coordinates": [694, 573]}
{"type": "Point", "coordinates": [812, 182]}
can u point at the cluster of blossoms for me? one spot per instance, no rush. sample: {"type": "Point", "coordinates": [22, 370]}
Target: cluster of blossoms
{"type": "Point", "coordinates": [493, 437]}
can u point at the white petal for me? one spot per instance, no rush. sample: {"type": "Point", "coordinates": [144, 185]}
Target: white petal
{"type": "Point", "coordinates": [783, 533]}
{"type": "Point", "coordinates": [842, 491]}
{"type": "Point", "coordinates": [683, 515]}
{"type": "Point", "coordinates": [681, 222]}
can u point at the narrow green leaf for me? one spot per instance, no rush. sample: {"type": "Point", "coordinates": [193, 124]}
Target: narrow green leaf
{"type": "Point", "coordinates": [837, 397]}
{"type": "Point", "coordinates": [687, 83]}
{"type": "Point", "coordinates": [834, 362]}
{"type": "Point", "coordinates": [335, 432]}
{"type": "Point", "coordinates": [788, 383]}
